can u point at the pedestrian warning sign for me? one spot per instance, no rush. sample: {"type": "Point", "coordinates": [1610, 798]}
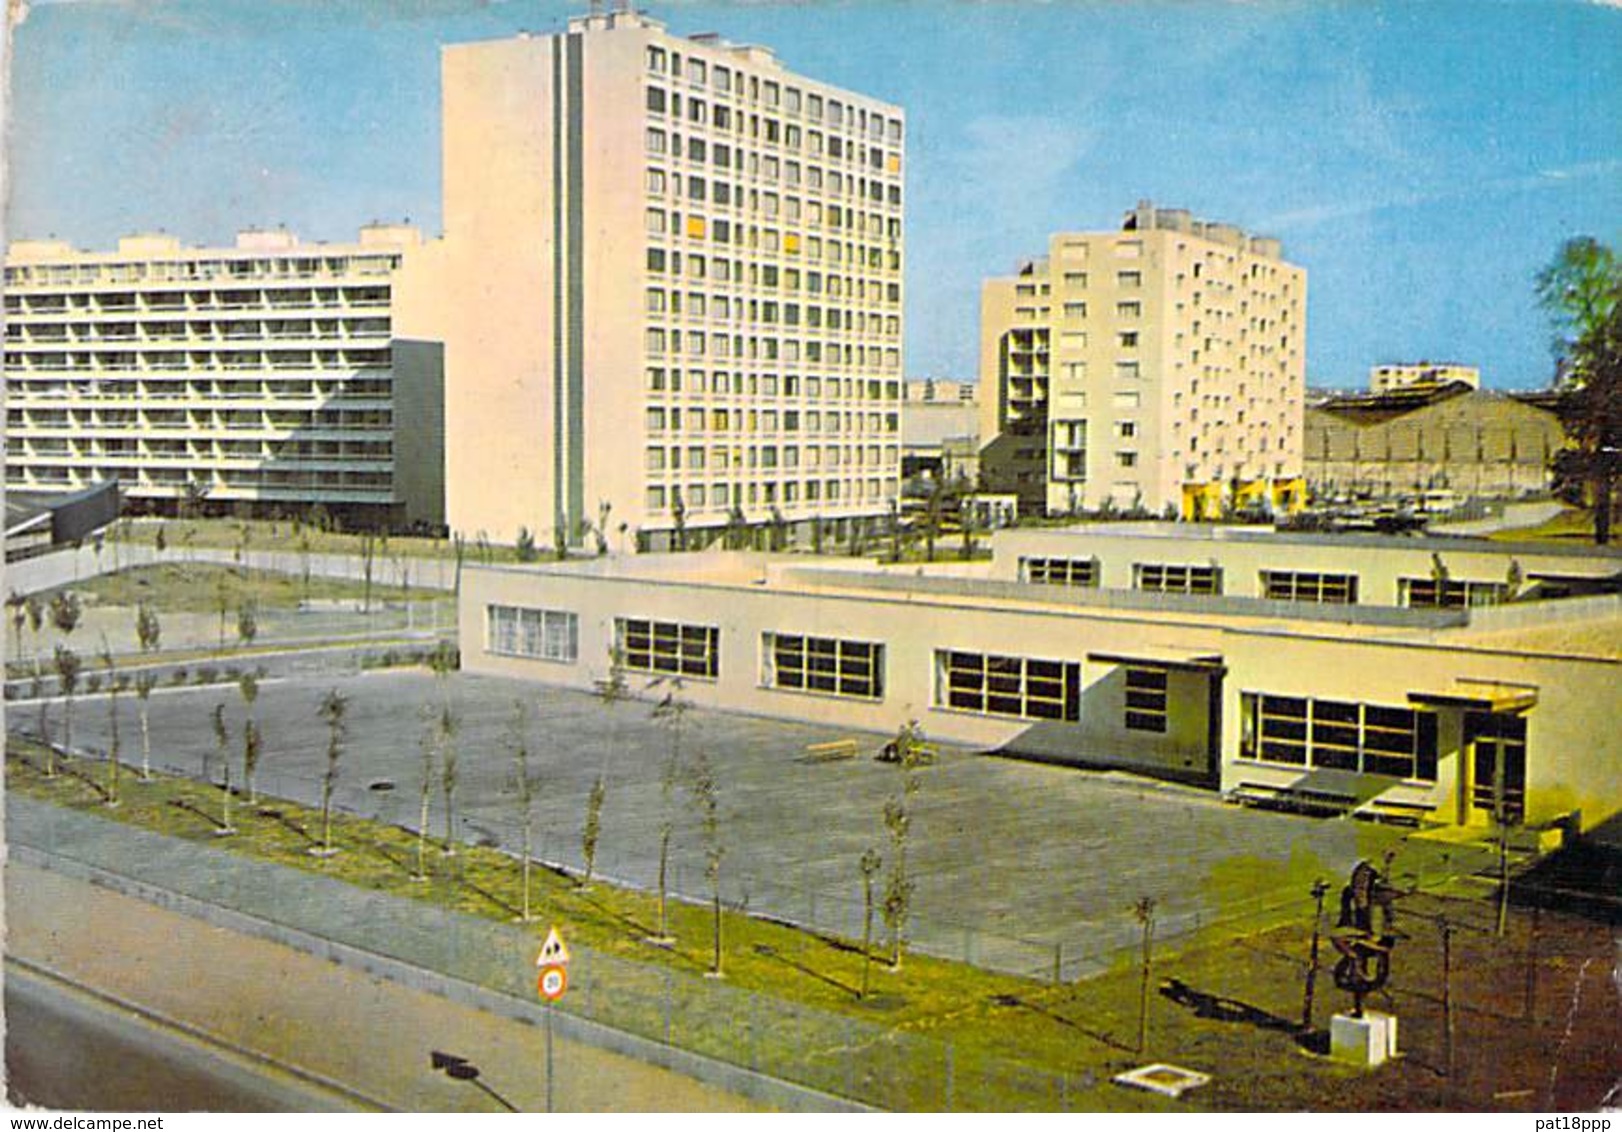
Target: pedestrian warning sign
{"type": "Point", "coordinates": [553, 953]}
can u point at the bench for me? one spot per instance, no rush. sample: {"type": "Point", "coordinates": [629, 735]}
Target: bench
{"type": "Point", "coordinates": [1315, 803]}
{"type": "Point", "coordinates": [831, 752]}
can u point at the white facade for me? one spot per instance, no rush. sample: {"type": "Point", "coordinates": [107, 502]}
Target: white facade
{"type": "Point", "coordinates": [673, 287]}
{"type": "Point", "coordinates": [264, 374]}
{"type": "Point", "coordinates": [1159, 367]}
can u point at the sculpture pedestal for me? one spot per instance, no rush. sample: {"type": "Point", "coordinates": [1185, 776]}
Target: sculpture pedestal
{"type": "Point", "coordinates": [1367, 1041]}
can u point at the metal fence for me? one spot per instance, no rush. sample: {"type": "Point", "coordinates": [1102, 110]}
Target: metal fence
{"type": "Point", "coordinates": [842, 1056]}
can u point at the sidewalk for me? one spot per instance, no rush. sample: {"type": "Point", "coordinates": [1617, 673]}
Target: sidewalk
{"type": "Point", "coordinates": [270, 1007]}
{"type": "Point", "coordinates": [471, 962]}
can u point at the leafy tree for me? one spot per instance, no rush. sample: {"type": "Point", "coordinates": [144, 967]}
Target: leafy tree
{"type": "Point", "coordinates": [148, 629]}
{"type": "Point", "coordinates": [679, 513]}
{"type": "Point", "coordinates": [1582, 292]}
{"type": "Point", "coordinates": [591, 829]}
{"type": "Point", "coordinates": [524, 793]}
{"type": "Point", "coordinates": [114, 752]}
{"type": "Point", "coordinates": [900, 886]}
{"type": "Point", "coordinates": [66, 611]}
{"type": "Point", "coordinates": [222, 603]}
{"type": "Point", "coordinates": [870, 865]}
{"type": "Point", "coordinates": [68, 667]}
{"type": "Point", "coordinates": [702, 786]}
{"type": "Point", "coordinates": [145, 681]}
{"type": "Point", "coordinates": [611, 689]}
{"type": "Point", "coordinates": [247, 623]}
{"type": "Point", "coordinates": [737, 529]}
{"type": "Point", "coordinates": [252, 741]}
{"type": "Point", "coordinates": [368, 563]}
{"type": "Point", "coordinates": [222, 744]}
{"type": "Point", "coordinates": [161, 540]}
{"type": "Point", "coordinates": [36, 621]}
{"type": "Point", "coordinates": [671, 712]}
{"type": "Point", "coordinates": [332, 711]}
{"type": "Point", "coordinates": [448, 776]}
{"type": "Point", "coordinates": [560, 538]}
{"type": "Point", "coordinates": [428, 747]}
{"type": "Point", "coordinates": [525, 548]}
{"type": "Point", "coordinates": [19, 619]}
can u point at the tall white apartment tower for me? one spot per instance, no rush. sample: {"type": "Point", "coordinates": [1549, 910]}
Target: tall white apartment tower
{"type": "Point", "coordinates": [1159, 367]}
{"type": "Point", "coordinates": [671, 284]}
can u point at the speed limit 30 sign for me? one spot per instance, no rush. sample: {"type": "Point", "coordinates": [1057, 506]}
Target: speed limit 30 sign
{"type": "Point", "coordinates": [553, 981]}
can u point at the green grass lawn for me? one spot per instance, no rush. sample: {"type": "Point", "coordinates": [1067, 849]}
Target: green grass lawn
{"type": "Point", "coordinates": [1573, 525]}
{"type": "Point", "coordinates": [289, 536]}
{"type": "Point", "coordinates": [197, 587]}
{"type": "Point", "coordinates": [1221, 1004]}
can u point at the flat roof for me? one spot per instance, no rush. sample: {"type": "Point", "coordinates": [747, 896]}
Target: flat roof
{"type": "Point", "coordinates": [966, 585]}
{"type": "Point", "coordinates": [1256, 535]}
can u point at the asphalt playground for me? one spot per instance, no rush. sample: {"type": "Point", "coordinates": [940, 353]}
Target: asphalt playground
{"type": "Point", "coordinates": [1017, 865]}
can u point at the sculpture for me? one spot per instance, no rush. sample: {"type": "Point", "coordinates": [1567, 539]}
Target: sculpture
{"type": "Point", "coordinates": [1365, 962]}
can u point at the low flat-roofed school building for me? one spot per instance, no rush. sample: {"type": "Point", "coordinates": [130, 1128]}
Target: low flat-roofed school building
{"type": "Point", "coordinates": [1173, 652]}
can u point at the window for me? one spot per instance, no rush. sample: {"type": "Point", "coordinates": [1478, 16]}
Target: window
{"type": "Point", "coordinates": [823, 664]}
{"type": "Point", "coordinates": [1126, 459]}
{"type": "Point", "coordinates": [1446, 593]}
{"type": "Point", "coordinates": [1127, 371]}
{"type": "Point", "coordinates": [664, 646]}
{"type": "Point", "coordinates": [543, 634]}
{"type": "Point", "coordinates": [1129, 310]}
{"type": "Point", "coordinates": [1177, 579]}
{"type": "Point", "coordinates": [1015, 686]}
{"type": "Point", "coordinates": [1338, 735]}
{"type": "Point", "coordinates": [1146, 699]}
{"type": "Point", "coordinates": [1129, 279]}
{"type": "Point", "coordinates": [1287, 585]}
{"type": "Point", "coordinates": [1059, 571]}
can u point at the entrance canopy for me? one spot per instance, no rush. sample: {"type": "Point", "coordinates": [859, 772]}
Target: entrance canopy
{"type": "Point", "coordinates": [1479, 697]}
{"type": "Point", "coordinates": [1163, 657]}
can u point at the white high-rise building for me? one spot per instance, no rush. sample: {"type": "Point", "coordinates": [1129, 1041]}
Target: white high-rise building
{"type": "Point", "coordinates": [1158, 367]}
{"type": "Point", "coordinates": [671, 288]}
{"type": "Point", "coordinates": [270, 376]}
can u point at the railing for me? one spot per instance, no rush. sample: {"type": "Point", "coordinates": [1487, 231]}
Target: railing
{"type": "Point", "coordinates": [643, 1007]}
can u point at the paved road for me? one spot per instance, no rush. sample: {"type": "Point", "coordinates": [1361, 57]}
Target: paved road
{"type": "Point", "coordinates": [1011, 858]}
{"type": "Point", "coordinates": [67, 1049]}
{"type": "Point", "coordinates": [275, 1005]}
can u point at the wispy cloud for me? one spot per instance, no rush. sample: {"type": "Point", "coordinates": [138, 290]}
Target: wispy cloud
{"type": "Point", "coordinates": [1347, 210]}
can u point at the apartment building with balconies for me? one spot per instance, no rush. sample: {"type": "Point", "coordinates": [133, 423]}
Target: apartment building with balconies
{"type": "Point", "coordinates": [1159, 367]}
{"type": "Point", "coordinates": [672, 280]}
{"type": "Point", "coordinates": [268, 377]}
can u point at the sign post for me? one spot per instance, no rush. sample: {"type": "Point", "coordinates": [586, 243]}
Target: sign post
{"type": "Point", "coordinates": [550, 984]}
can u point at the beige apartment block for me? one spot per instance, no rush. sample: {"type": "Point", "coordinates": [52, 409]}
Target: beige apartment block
{"type": "Point", "coordinates": [671, 288]}
{"type": "Point", "coordinates": [1418, 700]}
{"type": "Point", "coordinates": [271, 376]}
{"type": "Point", "coordinates": [1160, 367]}
{"type": "Point", "coordinates": [1396, 375]}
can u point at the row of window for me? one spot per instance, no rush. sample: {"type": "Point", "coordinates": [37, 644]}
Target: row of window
{"type": "Point", "coordinates": [721, 457]}
{"type": "Point", "coordinates": [774, 95]}
{"type": "Point", "coordinates": [723, 494]}
{"type": "Point", "coordinates": [1278, 585]}
{"type": "Point", "coordinates": [1338, 735]}
{"type": "Point", "coordinates": [1016, 687]}
{"type": "Point", "coordinates": [723, 383]}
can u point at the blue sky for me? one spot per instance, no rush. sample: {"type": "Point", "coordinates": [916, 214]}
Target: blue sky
{"type": "Point", "coordinates": [1421, 160]}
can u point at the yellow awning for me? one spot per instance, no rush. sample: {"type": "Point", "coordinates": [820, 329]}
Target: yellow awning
{"type": "Point", "coordinates": [1158, 657]}
{"type": "Point", "coordinates": [1480, 697]}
